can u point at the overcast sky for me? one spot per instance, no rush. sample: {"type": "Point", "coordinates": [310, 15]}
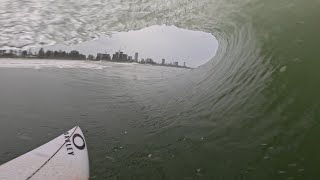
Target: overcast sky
{"type": "Point", "coordinates": [157, 42]}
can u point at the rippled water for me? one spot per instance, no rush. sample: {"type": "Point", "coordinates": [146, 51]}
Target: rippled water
{"type": "Point", "coordinates": [252, 112]}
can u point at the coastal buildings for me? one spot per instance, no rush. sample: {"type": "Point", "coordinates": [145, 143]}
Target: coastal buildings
{"type": "Point", "coordinates": [149, 61]}
{"type": "Point", "coordinates": [76, 55]}
{"type": "Point", "coordinates": [123, 57]}
{"type": "Point", "coordinates": [163, 62]}
{"type": "Point", "coordinates": [106, 57]}
{"type": "Point", "coordinates": [136, 55]}
{"type": "Point", "coordinates": [115, 56]}
{"type": "Point", "coordinates": [90, 57]}
{"type": "Point", "coordinates": [99, 56]}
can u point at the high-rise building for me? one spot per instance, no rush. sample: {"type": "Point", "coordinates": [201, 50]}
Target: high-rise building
{"type": "Point", "coordinates": [163, 61]}
{"type": "Point", "coordinates": [176, 63]}
{"type": "Point", "coordinates": [124, 57]}
{"type": "Point", "coordinates": [184, 64]}
{"type": "Point", "coordinates": [106, 57]}
{"type": "Point", "coordinates": [115, 57]}
{"type": "Point", "coordinates": [99, 57]}
{"type": "Point", "coordinates": [136, 55]}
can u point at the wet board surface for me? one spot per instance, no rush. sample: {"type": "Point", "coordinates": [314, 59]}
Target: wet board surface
{"type": "Point", "coordinates": [65, 157]}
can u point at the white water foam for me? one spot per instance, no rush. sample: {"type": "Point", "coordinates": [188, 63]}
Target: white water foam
{"type": "Point", "coordinates": [39, 64]}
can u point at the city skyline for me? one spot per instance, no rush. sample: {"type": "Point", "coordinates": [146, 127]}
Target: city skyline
{"type": "Point", "coordinates": [118, 56]}
{"type": "Point", "coordinates": [157, 42]}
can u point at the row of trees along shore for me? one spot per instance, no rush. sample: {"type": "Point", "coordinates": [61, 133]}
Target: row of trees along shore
{"type": "Point", "coordinates": [61, 55]}
{"type": "Point", "coordinates": [49, 54]}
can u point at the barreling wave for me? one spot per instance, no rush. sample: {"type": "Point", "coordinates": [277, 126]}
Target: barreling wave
{"type": "Point", "coordinates": [252, 112]}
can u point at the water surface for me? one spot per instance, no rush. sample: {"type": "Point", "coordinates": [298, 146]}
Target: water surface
{"type": "Point", "coordinates": [252, 112]}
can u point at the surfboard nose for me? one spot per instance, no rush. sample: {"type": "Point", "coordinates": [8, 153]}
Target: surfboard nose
{"type": "Point", "coordinates": [65, 157]}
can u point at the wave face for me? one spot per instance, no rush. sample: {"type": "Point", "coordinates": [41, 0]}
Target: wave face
{"type": "Point", "coordinates": [252, 112]}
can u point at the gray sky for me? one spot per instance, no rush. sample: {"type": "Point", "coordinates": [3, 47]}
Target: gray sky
{"type": "Point", "coordinates": [157, 42]}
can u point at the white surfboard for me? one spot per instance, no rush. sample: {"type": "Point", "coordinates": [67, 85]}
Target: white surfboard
{"type": "Point", "coordinates": [65, 157]}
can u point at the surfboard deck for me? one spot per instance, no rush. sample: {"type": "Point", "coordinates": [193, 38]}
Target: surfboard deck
{"type": "Point", "coordinates": [65, 157]}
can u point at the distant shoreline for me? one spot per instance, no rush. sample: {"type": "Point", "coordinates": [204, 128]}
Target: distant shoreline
{"type": "Point", "coordinates": [55, 59]}
{"type": "Point", "coordinates": [119, 57]}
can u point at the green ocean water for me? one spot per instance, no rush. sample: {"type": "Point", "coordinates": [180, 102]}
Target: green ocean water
{"type": "Point", "coordinates": [252, 112]}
